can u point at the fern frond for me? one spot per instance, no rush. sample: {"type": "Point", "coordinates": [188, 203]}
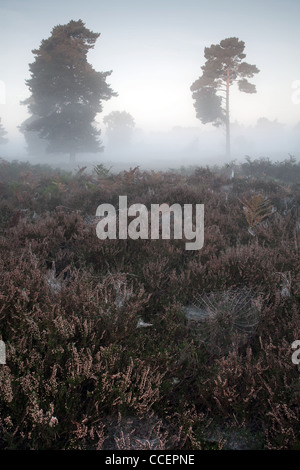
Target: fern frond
{"type": "Point", "coordinates": [256, 209]}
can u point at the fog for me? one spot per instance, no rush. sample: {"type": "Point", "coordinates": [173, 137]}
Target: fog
{"type": "Point", "coordinates": [178, 147]}
{"type": "Point", "coordinates": [184, 146]}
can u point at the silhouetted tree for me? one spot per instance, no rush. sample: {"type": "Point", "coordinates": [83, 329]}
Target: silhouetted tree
{"type": "Point", "coordinates": [120, 125]}
{"type": "Point", "coordinates": [3, 133]}
{"type": "Point", "coordinates": [266, 125]}
{"type": "Point", "coordinates": [66, 92]}
{"type": "Point", "coordinates": [223, 67]}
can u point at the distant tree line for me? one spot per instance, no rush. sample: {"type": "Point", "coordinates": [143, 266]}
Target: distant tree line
{"type": "Point", "coordinates": [3, 139]}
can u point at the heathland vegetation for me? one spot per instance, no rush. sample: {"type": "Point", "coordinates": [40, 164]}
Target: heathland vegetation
{"type": "Point", "coordinates": [127, 344]}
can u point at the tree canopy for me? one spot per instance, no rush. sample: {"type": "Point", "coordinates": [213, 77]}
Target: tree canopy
{"type": "Point", "coordinates": [120, 125]}
{"type": "Point", "coordinates": [66, 92]}
{"type": "Point", "coordinates": [224, 66]}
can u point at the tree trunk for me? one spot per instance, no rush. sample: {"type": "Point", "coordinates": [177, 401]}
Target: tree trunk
{"type": "Point", "coordinates": [72, 157]}
{"type": "Point", "coordinates": [228, 151]}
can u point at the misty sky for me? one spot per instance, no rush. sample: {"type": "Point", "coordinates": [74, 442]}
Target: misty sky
{"type": "Point", "coordinates": [155, 49]}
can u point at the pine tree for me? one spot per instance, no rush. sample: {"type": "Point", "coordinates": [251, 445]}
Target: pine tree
{"type": "Point", "coordinates": [223, 67]}
{"type": "Point", "coordinates": [66, 92]}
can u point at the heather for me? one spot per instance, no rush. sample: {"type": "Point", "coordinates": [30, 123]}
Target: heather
{"type": "Point", "coordinates": [81, 370]}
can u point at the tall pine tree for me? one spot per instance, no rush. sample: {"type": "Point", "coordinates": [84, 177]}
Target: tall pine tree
{"type": "Point", "coordinates": [66, 92]}
{"type": "Point", "coordinates": [224, 66]}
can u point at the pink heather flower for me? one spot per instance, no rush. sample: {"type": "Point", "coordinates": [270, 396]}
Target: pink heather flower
{"type": "Point", "coordinates": [53, 421]}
